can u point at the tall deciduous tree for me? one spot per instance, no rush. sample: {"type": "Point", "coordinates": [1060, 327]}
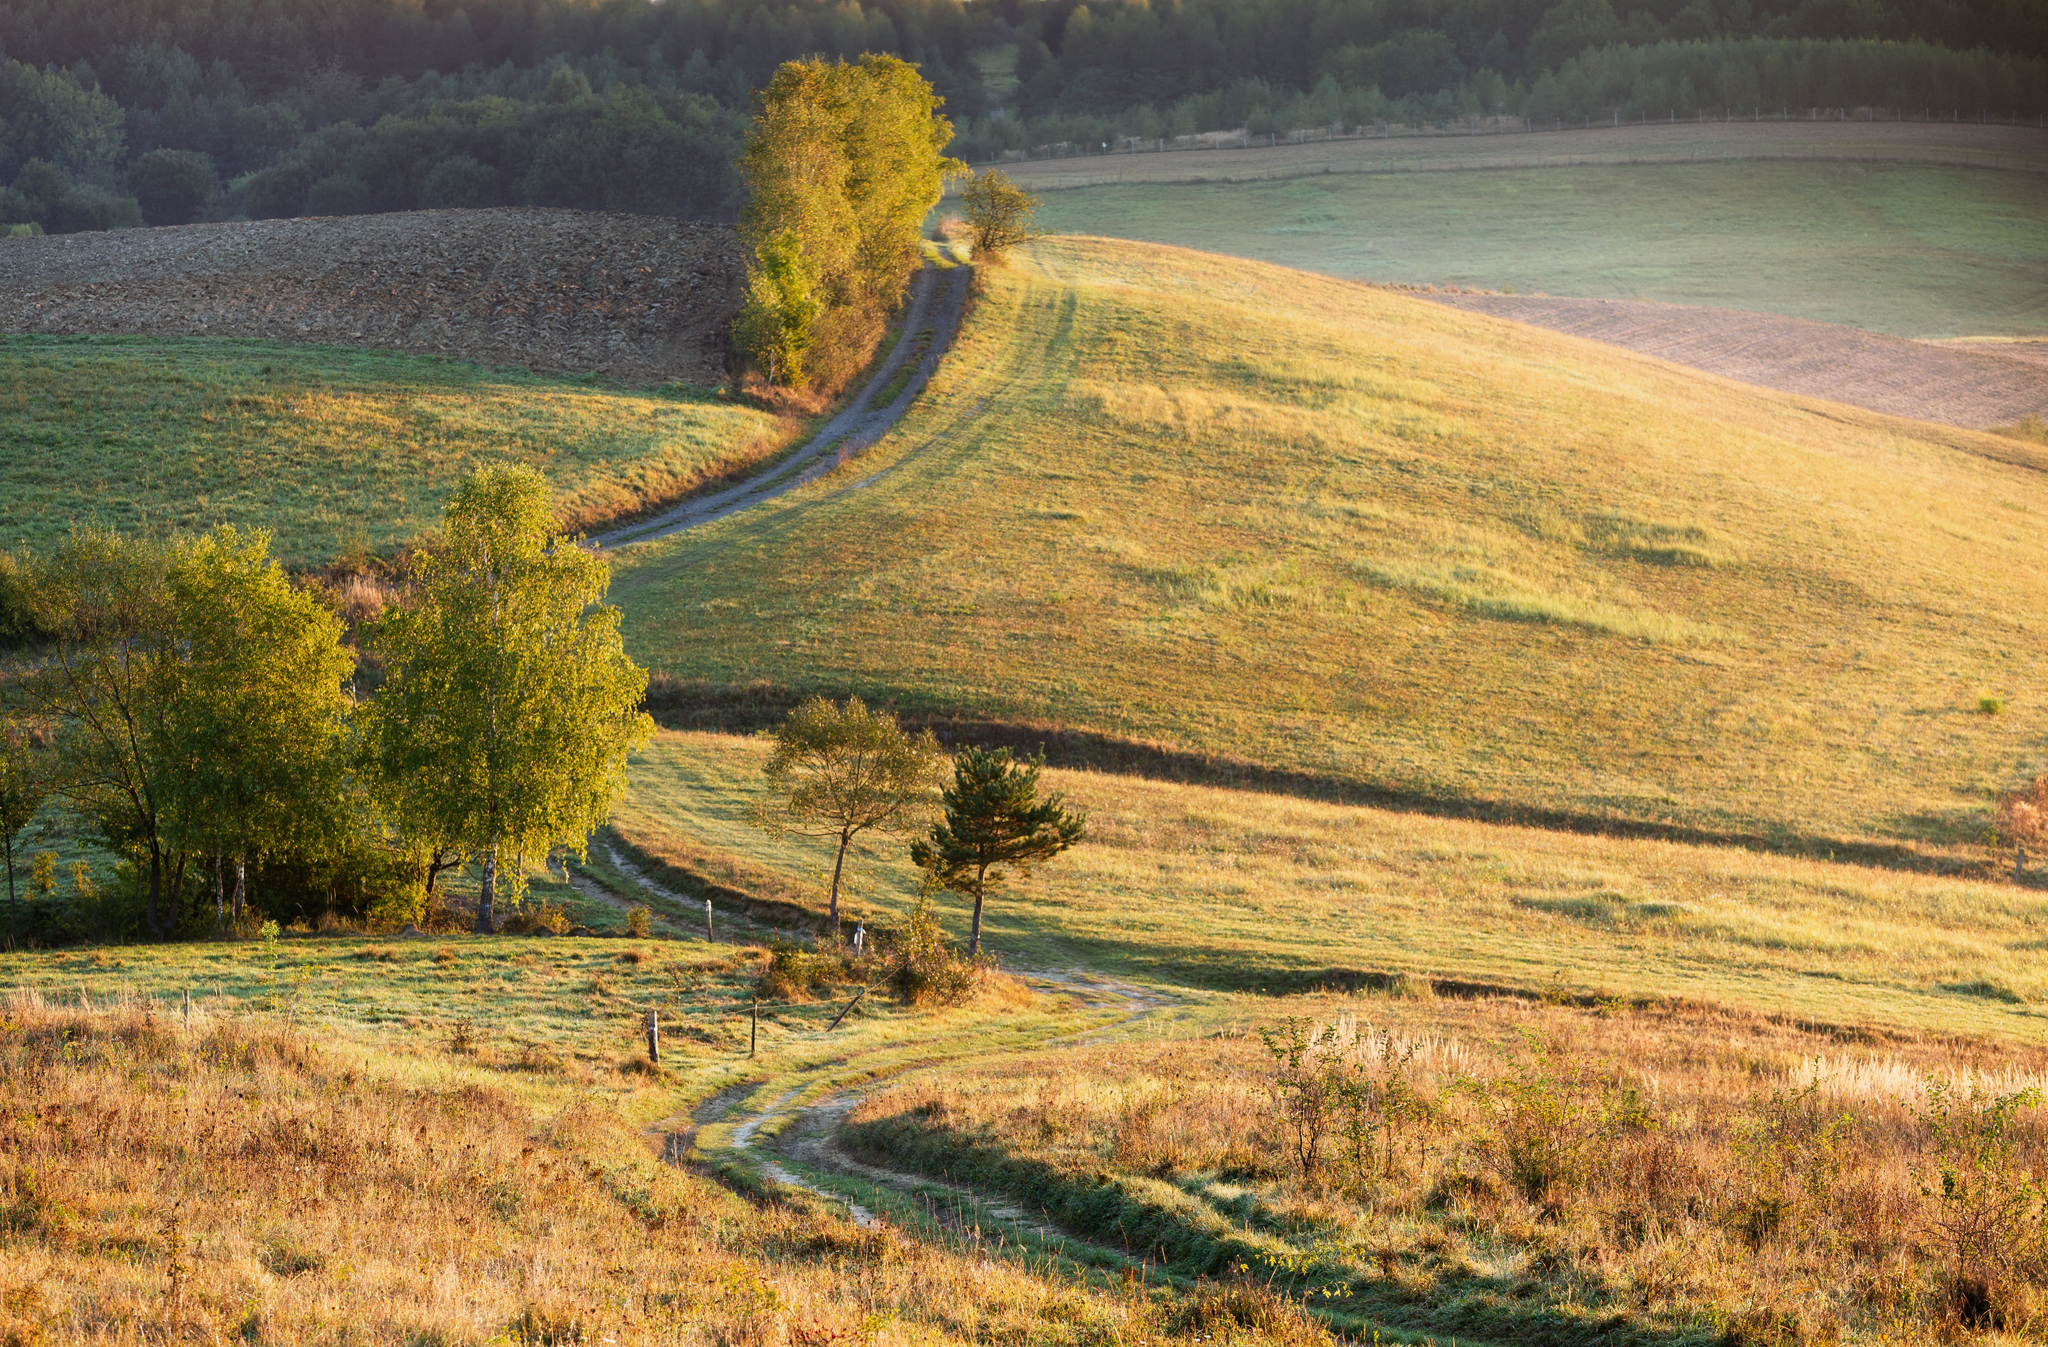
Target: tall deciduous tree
{"type": "Point", "coordinates": [111, 675]}
{"type": "Point", "coordinates": [257, 732]}
{"type": "Point", "coordinates": [840, 771]}
{"type": "Point", "coordinates": [994, 820]}
{"type": "Point", "coordinates": [844, 161]}
{"type": "Point", "coordinates": [509, 704]}
{"type": "Point", "coordinates": [198, 699]}
{"type": "Point", "coordinates": [25, 784]}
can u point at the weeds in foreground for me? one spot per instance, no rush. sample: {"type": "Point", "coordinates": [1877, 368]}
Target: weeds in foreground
{"type": "Point", "coordinates": [1686, 1172]}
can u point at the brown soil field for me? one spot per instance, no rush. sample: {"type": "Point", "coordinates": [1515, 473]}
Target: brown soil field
{"type": "Point", "coordinates": [1406, 150]}
{"type": "Point", "coordinates": [638, 298]}
{"type": "Point", "coordinates": [1960, 384]}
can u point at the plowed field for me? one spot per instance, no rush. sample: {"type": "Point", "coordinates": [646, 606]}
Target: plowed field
{"type": "Point", "coordinates": [640, 299]}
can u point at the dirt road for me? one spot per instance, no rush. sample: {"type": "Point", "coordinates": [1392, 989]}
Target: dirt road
{"type": "Point", "coordinates": [938, 299]}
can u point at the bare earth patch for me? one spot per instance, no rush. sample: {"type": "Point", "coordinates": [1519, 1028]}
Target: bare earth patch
{"type": "Point", "coordinates": [1974, 385]}
{"type": "Point", "coordinates": [639, 298]}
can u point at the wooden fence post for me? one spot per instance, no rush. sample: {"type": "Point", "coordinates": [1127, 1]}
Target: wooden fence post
{"type": "Point", "coordinates": [653, 1038]}
{"type": "Point", "coordinates": [754, 1028]}
{"type": "Point", "coordinates": [188, 990]}
{"type": "Point", "coordinates": [709, 934]}
{"type": "Point", "coordinates": [849, 1007]}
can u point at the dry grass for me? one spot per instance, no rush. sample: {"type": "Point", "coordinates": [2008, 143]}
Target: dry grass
{"type": "Point", "coordinates": [234, 1181]}
{"type": "Point", "coordinates": [1691, 1176]}
{"type": "Point", "coordinates": [1246, 511]}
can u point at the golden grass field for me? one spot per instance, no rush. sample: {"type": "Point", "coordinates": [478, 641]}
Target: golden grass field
{"type": "Point", "coordinates": [1260, 514]}
{"type": "Point", "coordinates": [329, 448]}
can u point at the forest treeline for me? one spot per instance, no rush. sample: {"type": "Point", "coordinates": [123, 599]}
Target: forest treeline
{"type": "Point", "coordinates": [171, 110]}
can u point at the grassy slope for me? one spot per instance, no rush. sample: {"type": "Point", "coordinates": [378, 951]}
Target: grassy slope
{"type": "Point", "coordinates": [1209, 888]}
{"type": "Point", "coordinates": [325, 445]}
{"type": "Point", "coordinates": [1913, 250]}
{"type": "Point", "coordinates": [1255, 512]}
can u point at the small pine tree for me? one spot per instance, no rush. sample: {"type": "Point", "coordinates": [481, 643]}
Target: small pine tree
{"type": "Point", "coordinates": [994, 820]}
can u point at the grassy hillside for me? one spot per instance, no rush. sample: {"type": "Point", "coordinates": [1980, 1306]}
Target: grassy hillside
{"type": "Point", "coordinates": [326, 446]}
{"type": "Point", "coordinates": [1209, 888]}
{"type": "Point", "coordinates": [1911, 250]}
{"type": "Point", "coordinates": [1359, 536]}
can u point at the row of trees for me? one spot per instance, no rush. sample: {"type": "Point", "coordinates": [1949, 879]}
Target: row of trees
{"type": "Point", "coordinates": [197, 711]}
{"type": "Point", "coordinates": [842, 165]}
{"type": "Point", "coordinates": [280, 107]}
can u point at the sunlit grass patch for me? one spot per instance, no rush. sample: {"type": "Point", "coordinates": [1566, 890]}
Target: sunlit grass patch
{"type": "Point", "coordinates": [329, 447]}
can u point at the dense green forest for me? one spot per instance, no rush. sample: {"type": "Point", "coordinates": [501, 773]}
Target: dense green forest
{"type": "Point", "coordinates": [170, 110]}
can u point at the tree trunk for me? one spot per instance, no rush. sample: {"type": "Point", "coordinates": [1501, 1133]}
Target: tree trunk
{"type": "Point", "coordinates": [220, 898]}
{"type": "Point", "coordinates": [974, 938]}
{"type": "Point", "coordinates": [241, 867]}
{"type": "Point", "coordinates": [176, 916]}
{"type": "Point", "coordinates": [156, 885]}
{"type": "Point", "coordinates": [9, 841]}
{"type": "Point", "coordinates": [837, 866]}
{"type": "Point", "coordinates": [486, 896]}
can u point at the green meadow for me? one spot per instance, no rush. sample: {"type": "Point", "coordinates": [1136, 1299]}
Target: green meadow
{"type": "Point", "coordinates": [328, 448]}
{"type": "Point", "coordinates": [1915, 250]}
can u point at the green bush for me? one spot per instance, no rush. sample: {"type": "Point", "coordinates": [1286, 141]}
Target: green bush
{"type": "Point", "coordinates": [924, 968]}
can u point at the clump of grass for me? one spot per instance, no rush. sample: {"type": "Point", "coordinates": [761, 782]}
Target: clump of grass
{"type": "Point", "coordinates": [2030, 428]}
{"type": "Point", "coordinates": [1412, 987]}
{"type": "Point", "coordinates": [1988, 705]}
{"type": "Point", "coordinates": [378, 953]}
{"type": "Point", "coordinates": [631, 957]}
{"type": "Point", "coordinates": [1491, 592]}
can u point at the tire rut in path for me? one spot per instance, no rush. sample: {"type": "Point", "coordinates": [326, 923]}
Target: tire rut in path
{"type": "Point", "coordinates": [938, 300]}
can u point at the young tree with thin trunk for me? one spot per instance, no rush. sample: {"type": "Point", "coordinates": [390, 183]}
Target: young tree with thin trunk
{"type": "Point", "coordinates": [998, 213]}
{"type": "Point", "coordinates": [841, 771]}
{"type": "Point", "coordinates": [509, 705]}
{"type": "Point", "coordinates": [25, 784]}
{"type": "Point", "coordinates": [993, 821]}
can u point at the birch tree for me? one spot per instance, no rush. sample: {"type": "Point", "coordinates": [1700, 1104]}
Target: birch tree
{"type": "Point", "coordinates": [509, 705]}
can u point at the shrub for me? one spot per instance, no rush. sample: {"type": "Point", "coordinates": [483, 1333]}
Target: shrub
{"type": "Point", "coordinates": [794, 972]}
{"type": "Point", "coordinates": [1988, 705]}
{"type": "Point", "coordinates": [637, 924]}
{"type": "Point", "coordinates": [535, 918]}
{"type": "Point", "coordinates": [1988, 1217]}
{"type": "Point", "coordinates": [924, 968]}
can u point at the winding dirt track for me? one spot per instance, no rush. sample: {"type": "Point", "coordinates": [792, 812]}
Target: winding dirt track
{"type": "Point", "coordinates": [938, 300]}
{"type": "Point", "coordinates": [812, 1136]}
{"type": "Point", "coordinates": [1957, 386]}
